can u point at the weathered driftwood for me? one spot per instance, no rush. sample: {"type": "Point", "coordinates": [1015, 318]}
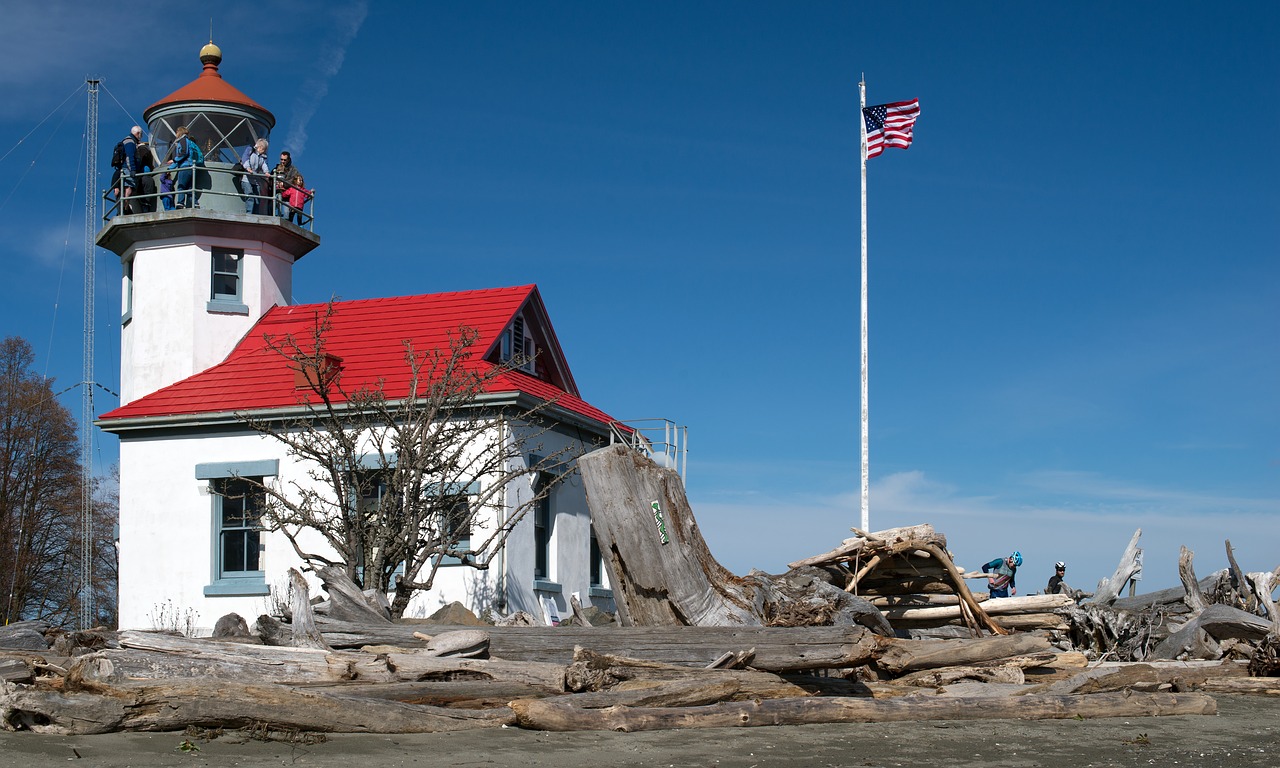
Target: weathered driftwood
{"type": "Point", "coordinates": [851, 548]}
{"type": "Point", "coordinates": [1264, 583]}
{"type": "Point", "coordinates": [592, 671]}
{"type": "Point", "coordinates": [998, 606]}
{"type": "Point", "coordinates": [1178, 676]}
{"type": "Point", "coordinates": [422, 666]}
{"type": "Point", "coordinates": [901, 656]}
{"type": "Point", "coordinates": [562, 715]}
{"type": "Point", "coordinates": [663, 574]}
{"type": "Point", "coordinates": [660, 693]}
{"type": "Point", "coordinates": [1130, 565]}
{"type": "Point", "coordinates": [1170, 599]}
{"type": "Point", "coordinates": [1238, 581]}
{"type": "Point", "coordinates": [1026, 622]}
{"type": "Point", "coordinates": [660, 568]}
{"type": "Point", "coordinates": [1268, 686]}
{"type": "Point", "coordinates": [922, 601]}
{"type": "Point", "coordinates": [1218, 622]}
{"type": "Point", "coordinates": [347, 602]}
{"type": "Point", "coordinates": [1186, 571]}
{"type": "Point", "coordinates": [454, 692]}
{"type": "Point", "coordinates": [305, 634]}
{"type": "Point", "coordinates": [155, 656]}
{"type": "Point", "coordinates": [173, 706]}
{"type": "Point", "coordinates": [932, 678]}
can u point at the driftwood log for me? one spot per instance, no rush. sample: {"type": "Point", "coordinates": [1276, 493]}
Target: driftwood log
{"type": "Point", "coordinates": [562, 715]}
{"type": "Point", "coordinates": [1129, 567]}
{"type": "Point", "coordinates": [171, 706]}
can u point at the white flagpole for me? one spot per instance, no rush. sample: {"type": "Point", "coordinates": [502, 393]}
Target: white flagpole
{"type": "Point", "coordinates": [866, 472]}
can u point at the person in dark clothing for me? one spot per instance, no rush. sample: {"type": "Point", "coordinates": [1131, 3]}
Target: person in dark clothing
{"type": "Point", "coordinates": [124, 177]}
{"type": "Point", "coordinates": [1056, 583]}
{"type": "Point", "coordinates": [146, 160]}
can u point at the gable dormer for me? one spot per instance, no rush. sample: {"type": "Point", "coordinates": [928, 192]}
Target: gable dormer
{"type": "Point", "coordinates": [529, 342]}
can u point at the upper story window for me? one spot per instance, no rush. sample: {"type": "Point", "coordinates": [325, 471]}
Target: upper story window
{"type": "Point", "coordinates": [126, 294]}
{"type": "Point", "coordinates": [518, 346]}
{"type": "Point", "coordinates": [226, 292]}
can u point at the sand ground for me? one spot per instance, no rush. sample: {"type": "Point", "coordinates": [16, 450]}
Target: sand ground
{"type": "Point", "coordinates": [1244, 733]}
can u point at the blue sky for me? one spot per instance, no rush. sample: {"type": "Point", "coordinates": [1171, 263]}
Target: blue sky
{"type": "Point", "coordinates": [1074, 278]}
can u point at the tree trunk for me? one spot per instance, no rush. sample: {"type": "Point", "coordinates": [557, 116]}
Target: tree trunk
{"type": "Point", "coordinates": [598, 672]}
{"type": "Point", "coordinates": [305, 634]}
{"type": "Point", "coordinates": [173, 706]}
{"type": "Point", "coordinates": [1130, 565]}
{"type": "Point", "coordinates": [562, 715]}
{"type": "Point", "coordinates": [900, 656]}
{"type": "Point", "coordinates": [1186, 571]}
{"type": "Point", "coordinates": [777, 649]}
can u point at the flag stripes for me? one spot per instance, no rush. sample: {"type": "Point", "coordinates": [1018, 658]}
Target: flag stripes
{"type": "Point", "coordinates": [890, 125]}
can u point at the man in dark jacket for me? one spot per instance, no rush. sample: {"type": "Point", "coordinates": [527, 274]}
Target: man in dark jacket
{"type": "Point", "coordinates": [1056, 583]}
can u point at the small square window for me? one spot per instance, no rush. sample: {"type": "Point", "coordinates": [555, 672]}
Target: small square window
{"type": "Point", "coordinates": [227, 274]}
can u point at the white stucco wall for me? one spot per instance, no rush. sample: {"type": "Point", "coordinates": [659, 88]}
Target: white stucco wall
{"type": "Point", "coordinates": [170, 333]}
{"type": "Point", "coordinates": [167, 549]}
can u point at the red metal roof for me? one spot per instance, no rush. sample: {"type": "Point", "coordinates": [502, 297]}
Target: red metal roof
{"type": "Point", "coordinates": [209, 86]}
{"type": "Point", "coordinates": [368, 336]}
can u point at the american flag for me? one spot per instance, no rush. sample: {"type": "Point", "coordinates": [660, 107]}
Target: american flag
{"type": "Point", "coordinates": [890, 125]}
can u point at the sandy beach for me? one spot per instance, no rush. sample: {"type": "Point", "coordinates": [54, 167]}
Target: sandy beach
{"type": "Point", "coordinates": [1245, 733]}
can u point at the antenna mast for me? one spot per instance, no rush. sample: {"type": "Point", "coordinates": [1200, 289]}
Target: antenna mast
{"type": "Point", "coordinates": [88, 613]}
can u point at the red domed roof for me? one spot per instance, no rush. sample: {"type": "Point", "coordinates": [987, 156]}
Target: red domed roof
{"type": "Point", "coordinates": [210, 86]}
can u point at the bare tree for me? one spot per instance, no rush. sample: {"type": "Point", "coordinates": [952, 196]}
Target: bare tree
{"type": "Point", "coordinates": [40, 490]}
{"type": "Point", "coordinates": [396, 487]}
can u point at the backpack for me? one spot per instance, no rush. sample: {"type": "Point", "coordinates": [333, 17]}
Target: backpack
{"type": "Point", "coordinates": [117, 155]}
{"type": "Point", "coordinates": [197, 156]}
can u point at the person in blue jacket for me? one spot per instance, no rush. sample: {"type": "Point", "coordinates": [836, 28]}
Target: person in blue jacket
{"type": "Point", "coordinates": [1003, 571]}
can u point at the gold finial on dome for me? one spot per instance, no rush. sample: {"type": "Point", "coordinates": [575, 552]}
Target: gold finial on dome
{"type": "Point", "coordinates": [211, 54]}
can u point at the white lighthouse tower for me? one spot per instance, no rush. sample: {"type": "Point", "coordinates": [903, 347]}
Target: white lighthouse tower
{"type": "Point", "coordinates": [196, 279]}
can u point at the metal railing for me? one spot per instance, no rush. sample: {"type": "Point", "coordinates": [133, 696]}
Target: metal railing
{"type": "Point", "coordinates": [213, 186]}
{"type": "Point", "coordinates": [661, 440]}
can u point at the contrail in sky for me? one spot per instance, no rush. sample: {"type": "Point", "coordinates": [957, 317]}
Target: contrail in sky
{"type": "Point", "coordinates": [316, 86]}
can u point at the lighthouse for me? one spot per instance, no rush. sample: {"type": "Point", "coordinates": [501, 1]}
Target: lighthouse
{"type": "Point", "coordinates": [195, 280]}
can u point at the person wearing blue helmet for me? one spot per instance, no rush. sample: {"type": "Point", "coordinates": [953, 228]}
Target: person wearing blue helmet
{"type": "Point", "coordinates": [1003, 571]}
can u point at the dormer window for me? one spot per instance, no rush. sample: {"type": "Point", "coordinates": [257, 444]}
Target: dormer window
{"type": "Point", "coordinates": [518, 347]}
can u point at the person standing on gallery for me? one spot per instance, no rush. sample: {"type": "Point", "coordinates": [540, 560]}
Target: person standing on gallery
{"type": "Point", "coordinates": [254, 182]}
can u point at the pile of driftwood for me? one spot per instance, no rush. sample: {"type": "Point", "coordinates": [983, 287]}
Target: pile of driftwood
{"type": "Point", "coordinates": [882, 628]}
{"type": "Point", "coordinates": [903, 582]}
{"type": "Point", "coordinates": [394, 678]}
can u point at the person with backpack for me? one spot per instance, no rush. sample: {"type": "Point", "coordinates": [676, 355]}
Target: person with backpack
{"type": "Point", "coordinates": [146, 162]}
{"type": "Point", "coordinates": [186, 158]}
{"type": "Point", "coordinates": [1003, 570]}
{"type": "Point", "coordinates": [124, 162]}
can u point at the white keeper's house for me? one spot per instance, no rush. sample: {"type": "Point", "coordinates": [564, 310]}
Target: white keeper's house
{"type": "Point", "coordinates": [202, 290]}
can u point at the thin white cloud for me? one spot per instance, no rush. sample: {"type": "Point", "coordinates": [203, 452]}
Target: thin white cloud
{"type": "Point", "coordinates": [329, 63]}
{"type": "Point", "coordinates": [1088, 522]}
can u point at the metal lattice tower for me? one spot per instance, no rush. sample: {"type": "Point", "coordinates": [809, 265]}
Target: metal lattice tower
{"type": "Point", "coordinates": [87, 608]}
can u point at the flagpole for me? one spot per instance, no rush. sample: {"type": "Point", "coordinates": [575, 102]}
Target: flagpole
{"type": "Point", "coordinates": [866, 491]}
